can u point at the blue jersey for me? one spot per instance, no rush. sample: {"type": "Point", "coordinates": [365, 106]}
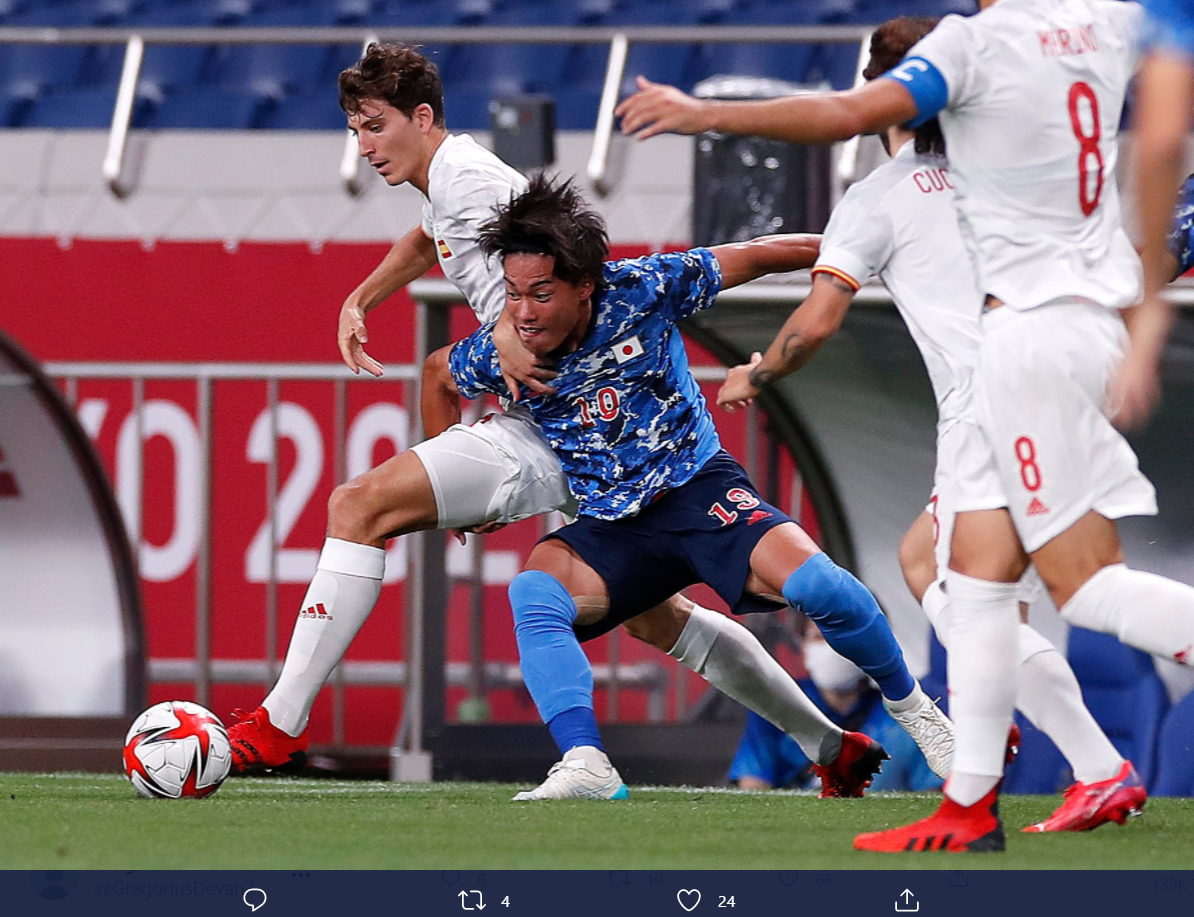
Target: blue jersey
{"type": "Point", "coordinates": [628, 420]}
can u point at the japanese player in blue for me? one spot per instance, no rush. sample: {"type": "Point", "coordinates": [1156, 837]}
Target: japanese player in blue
{"type": "Point", "coordinates": [661, 504]}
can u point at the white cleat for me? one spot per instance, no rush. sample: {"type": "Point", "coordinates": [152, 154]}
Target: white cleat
{"type": "Point", "coordinates": [929, 727]}
{"type": "Point", "coordinates": [585, 773]}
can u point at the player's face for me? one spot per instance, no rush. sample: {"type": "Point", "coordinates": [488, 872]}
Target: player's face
{"type": "Point", "coordinates": [548, 313]}
{"type": "Point", "coordinates": [395, 145]}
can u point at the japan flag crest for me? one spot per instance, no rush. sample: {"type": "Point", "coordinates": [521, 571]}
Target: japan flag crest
{"type": "Point", "coordinates": [627, 349]}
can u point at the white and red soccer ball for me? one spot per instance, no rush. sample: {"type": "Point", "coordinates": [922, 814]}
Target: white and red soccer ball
{"type": "Point", "coordinates": [177, 750]}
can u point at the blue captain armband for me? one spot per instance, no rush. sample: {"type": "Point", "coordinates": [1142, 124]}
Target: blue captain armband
{"type": "Point", "coordinates": [925, 83]}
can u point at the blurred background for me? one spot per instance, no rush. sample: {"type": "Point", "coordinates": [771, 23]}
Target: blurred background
{"type": "Point", "coordinates": [181, 215]}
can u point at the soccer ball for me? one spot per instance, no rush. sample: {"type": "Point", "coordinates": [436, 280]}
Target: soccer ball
{"type": "Point", "coordinates": [177, 750]}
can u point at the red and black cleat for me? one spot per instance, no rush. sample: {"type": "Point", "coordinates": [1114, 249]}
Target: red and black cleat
{"type": "Point", "coordinates": [952, 828]}
{"type": "Point", "coordinates": [1088, 805]}
{"type": "Point", "coordinates": [257, 744]}
{"type": "Point", "coordinates": [851, 772]}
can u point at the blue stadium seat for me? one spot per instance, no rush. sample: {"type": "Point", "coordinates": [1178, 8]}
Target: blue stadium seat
{"type": "Point", "coordinates": [467, 110]}
{"type": "Point", "coordinates": [308, 110]}
{"type": "Point", "coordinates": [211, 109]}
{"type": "Point", "coordinates": [878, 11]}
{"type": "Point", "coordinates": [191, 13]}
{"type": "Point", "coordinates": [806, 12]}
{"type": "Point", "coordinates": [1175, 751]}
{"type": "Point", "coordinates": [271, 69]}
{"type": "Point", "coordinates": [508, 68]}
{"type": "Point", "coordinates": [89, 108]}
{"type": "Point", "coordinates": [1122, 691]}
{"type": "Point", "coordinates": [27, 68]}
{"type": "Point", "coordinates": [576, 109]}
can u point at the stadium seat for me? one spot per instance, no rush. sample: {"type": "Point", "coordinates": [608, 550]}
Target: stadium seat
{"type": "Point", "coordinates": [88, 108]}
{"type": "Point", "coordinates": [508, 68]}
{"type": "Point", "coordinates": [29, 67]}
{"type": "Point", "coordinates": [211, 109]}
{"type": "Point", "coordinates": [309, 110]}
{"type": "Point", "coordinates": [271, 69]}
{"type": "Point", "coordinates": [1175, 751]}
{"type": "Point", "coordinates": [1122, 691]}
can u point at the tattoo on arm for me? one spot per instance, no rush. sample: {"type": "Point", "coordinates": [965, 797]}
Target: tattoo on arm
{"type": "Point", "coordinates": [791, 357]}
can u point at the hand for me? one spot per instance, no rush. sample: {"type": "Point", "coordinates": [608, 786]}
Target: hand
{"type": "Point", "coordinates": [351, 337]}
{"type": "Point", "coordinates": [738, 391]}
{"type": "Point", "coordinates": [519, 366]}
{"type": "Point", "coordinates": [657, 108]}
{"type": "Point", "coordinates": [1134, 392]}
{"type": "Point", "coordinates": [485, 529]}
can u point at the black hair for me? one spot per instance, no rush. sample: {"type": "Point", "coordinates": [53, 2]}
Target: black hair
{"type": "Point", "coordinates": [550, 218]}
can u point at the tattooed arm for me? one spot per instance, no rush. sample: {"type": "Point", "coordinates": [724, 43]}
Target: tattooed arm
{"type": "Point", "coordinates": [802, 335]}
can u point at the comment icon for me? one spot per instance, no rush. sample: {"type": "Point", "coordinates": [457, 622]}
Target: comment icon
{"type": "Point", "coordinates": [255, 898]}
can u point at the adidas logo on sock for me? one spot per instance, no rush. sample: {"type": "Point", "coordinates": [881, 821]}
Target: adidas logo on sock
{"type": "Point", "coordinates": [1037, 508]}
{"type": "Point", "coordinates": [316, 611]}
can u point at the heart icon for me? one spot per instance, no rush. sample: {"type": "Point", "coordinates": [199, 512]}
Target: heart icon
{"type": "Point", "coordinates": [689, 898]}
{"type": "Point", "coordinates": [788, 877]}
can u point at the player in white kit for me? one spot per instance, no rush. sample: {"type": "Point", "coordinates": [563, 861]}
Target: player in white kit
{"type": "Point", "coordinates": [900, 224]}
{"type": "Point", "coordinates": [474, 477]}
{"type": "Point", "coordinates": [1029, 95]}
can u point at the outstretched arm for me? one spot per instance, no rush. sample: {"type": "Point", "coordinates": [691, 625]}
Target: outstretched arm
{"type": "Point", "coordinates": [742, 262]}
{"type": "Point", "coordinates": [410, 258]}
{"type": "Point", "coordinates": [821, 117]}
{"type": "Point", "coordinates": [1165, 96]}
{"type": "Point", "coordinates": [810, 326]}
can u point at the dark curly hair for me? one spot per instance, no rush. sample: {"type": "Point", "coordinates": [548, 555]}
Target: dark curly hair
{"type": "Point", "coordinates": [398, 74]}
{"type": "Point", "coordinates": [889, 45]}
{"type": "Point", "coordinates": [550, 218]}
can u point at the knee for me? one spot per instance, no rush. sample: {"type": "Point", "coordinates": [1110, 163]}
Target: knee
{"type": "Point", "coordinates": [918, 565]}
{"type": "Point", "coordinates": [661, 626]}
{"type": "Point", "coordinates": [824, 591]}
{"type": "Point", "coordinates": [353, 511]}
{"type": "Point", "coordinates": [538, 599]}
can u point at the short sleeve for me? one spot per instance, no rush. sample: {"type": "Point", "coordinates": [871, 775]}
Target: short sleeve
{"type": "Point", "coordinates": [687, 282]}
{"type": "Point", "coordinates": [473, 363]}
{"type": "Point", "coordinates": [470, 201]}
{"type": "Point", "coordinates": [858, 241]}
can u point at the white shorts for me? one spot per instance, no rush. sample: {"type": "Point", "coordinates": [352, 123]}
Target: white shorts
{"type": "Point", "coordinates": [499, 469]}
{"type": "Point", "coordinates": [965, 479]}
{"type": "Point", "coordinates": [1040, 389]}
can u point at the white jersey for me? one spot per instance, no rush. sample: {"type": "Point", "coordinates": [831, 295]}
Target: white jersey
{"type": "Point", "coordinates": [464, 183]}
{"type": "Point", "coordinates": [900, 223]}
{"type": "Point", "coordinates": [1035, 93]}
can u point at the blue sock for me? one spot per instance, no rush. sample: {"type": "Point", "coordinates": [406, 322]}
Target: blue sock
{"type": "Point", "coordinates": [554, 668]}
{"type": "Point", "coordinates": [849, 617]}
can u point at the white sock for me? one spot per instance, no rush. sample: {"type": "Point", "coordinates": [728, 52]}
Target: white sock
{"type": "Point", "coordinates": [1143, 610]}
{"type": "Point", "coordinates": [983, 650]}
{"type": "Point", "coordinates": [345, 588]}
{"type": "Point", "coordinates": [732, 659]}
{"type": "Point", "coordinates": [1050, 697]}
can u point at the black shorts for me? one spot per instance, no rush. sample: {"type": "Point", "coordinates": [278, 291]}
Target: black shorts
{"type": "Point", "coordinates": [701, 532]}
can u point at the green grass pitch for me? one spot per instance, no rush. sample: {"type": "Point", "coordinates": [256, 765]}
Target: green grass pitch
{"type": "Point", "coordinates": [85, 821]}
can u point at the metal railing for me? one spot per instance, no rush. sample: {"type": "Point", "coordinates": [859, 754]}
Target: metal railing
{"type": "Point", "coordinates": [619, 41]}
